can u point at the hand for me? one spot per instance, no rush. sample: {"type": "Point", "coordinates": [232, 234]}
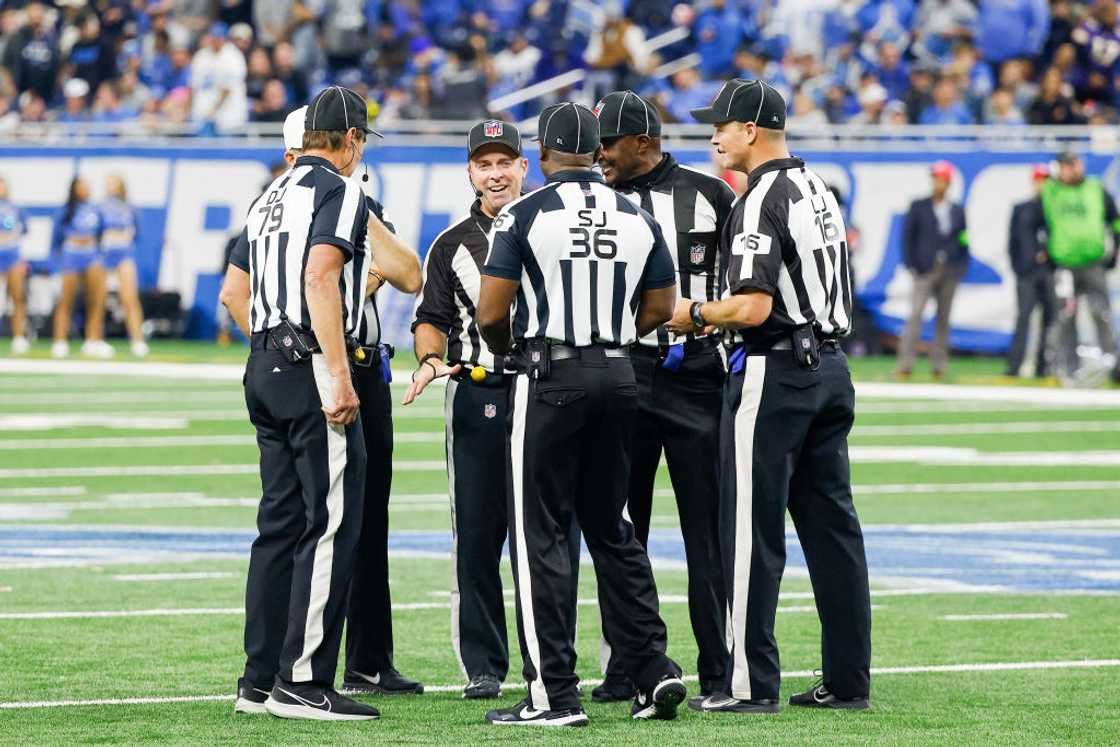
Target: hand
{"type": "Point", "coordinates": [344, 410]}
{"type": "Point", "coordinates": [429, 371]}
{"type": "Point", "coordinates": [681, 323]}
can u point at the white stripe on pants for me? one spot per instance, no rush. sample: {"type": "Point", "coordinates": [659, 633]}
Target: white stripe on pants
{"type": "Point", "coordinates": [323, 564]}
{"type": "Point", "coordinates": [449, 430]}
{"type": "Point", "coordinates": [537, 691]}
{"type": "Point", "coordinates": [745, 417]}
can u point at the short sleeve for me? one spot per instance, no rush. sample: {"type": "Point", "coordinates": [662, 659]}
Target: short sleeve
{"type": "Point", "coordinates": [755, 257]}
{"type": "Point", "coordinates": [436, 303]}
{"type": "Point", "coordinates": [340, 219]}
{"type": "Point", "coordinates": [507, 248]}
{"type": "Point", "coordinates": [239, 255]}
{"type": "Point", "coordinates": [378, 210]}
{"type": "Point", "coordinates": [659, 271]}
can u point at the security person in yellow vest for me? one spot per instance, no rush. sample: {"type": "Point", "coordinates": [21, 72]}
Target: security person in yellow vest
{"type": "Point", "coordinates": [1080, 215]}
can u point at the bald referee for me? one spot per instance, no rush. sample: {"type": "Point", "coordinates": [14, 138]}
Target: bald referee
{"type": "Point", "coordinates": [308, 268]}
{"type": "Point", "coordinates": [589, 272]}
{"type": "Point", "coordinates": [789, 406]}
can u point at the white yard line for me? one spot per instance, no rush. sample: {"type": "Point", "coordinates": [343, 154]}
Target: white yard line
{"type": "Point", "coordinates": [42, 421]}
{"type": "Point", "coordinates": [1008, 616]}
{"type": "Point", "coordinates": [455, 688]}
{"type": "Point", "coordinates": [968, 429]}
{"type": "Point", "coordinates": [69, 490]}
{"type": "Point", "coordinates": [180, 612]}
{"type": "Point", "coordinates": [866, 406]}
{"type": "Point", "coordinates": [130, 442]}
{"type": "Point", "coordinates": [122, 398]}
{"type": "Point", "coordinates": [187, 576]}
{"type": "Point", "coordinates": [982, 487]}
{"type": "Point", "coordinates": [157, 470]}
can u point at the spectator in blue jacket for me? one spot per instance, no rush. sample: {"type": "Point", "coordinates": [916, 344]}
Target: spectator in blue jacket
{"type": "Point", "coordinates": [947, 107]}
{"type": "Point", "coordinates": [935, 250]}
{"type": "Point", "coordinates": [718, 31]}
{"type": "Point", "coordinates": [891, 70]}
{"type": "Point", "coordinates": [1009, 29]}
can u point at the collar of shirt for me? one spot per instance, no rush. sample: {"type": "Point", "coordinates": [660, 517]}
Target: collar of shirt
{"type": "Point", "coordinates": [484, 221]}
{"type": "Point", "coordinates": [577, 175]}
{"type": "Point", "coordinates": [316, 161]}
{"type": "Point", "coordinates": [651, 178]}
{"type": "Point", "coordinates": [776, 164]}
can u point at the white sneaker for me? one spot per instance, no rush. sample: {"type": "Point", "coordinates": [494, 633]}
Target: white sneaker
{"type": "Point", "coordinates": [139, 349]}
{"type": "Point", "coordinates": [97, 349]}
{"type": "Point", "coordinates": [60, 349]}
{"type": "Point", "coordinates": [20, 346]}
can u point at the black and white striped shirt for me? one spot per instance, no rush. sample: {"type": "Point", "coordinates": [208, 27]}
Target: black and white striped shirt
{"type": "Point", "coordinates": [786, 238]}
{"type": "Point", "coordinates": [583, 254]}
{"type": "Point", "coordinates": [452, 279]}
{"type": "Point", "coordinates": [308, 205]}
{"type": "Point", "coordinates": [691, 208]}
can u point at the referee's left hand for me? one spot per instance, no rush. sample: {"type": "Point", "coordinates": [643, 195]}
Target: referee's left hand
{"type": "Point", "coordinates": [681, 323]}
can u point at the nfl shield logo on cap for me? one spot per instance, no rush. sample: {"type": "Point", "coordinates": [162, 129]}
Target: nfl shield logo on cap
{"type": "Point", "coordinates": [492, 128]}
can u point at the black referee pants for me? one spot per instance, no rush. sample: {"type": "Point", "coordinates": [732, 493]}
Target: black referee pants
{"type": "Point", "coordinates": [308, 523]}
{"type": "Point", "coordinates": [570, 441]}
{"type": "Point", "coordinates": [679, 412]}
{"type": "Point", "coordinates": [476, 475]}
{"type": "Point", "coordinates": [369, 625]}
{"type": "Point", "coordinates": [784, 445]}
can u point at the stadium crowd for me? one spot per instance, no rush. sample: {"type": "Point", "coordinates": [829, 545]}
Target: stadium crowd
{"type": "Point", "coordinates": [212, 66]}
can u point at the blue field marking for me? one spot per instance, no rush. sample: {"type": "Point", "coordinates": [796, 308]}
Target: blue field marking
{"type": "Point", "coordinates": [1001, 558]}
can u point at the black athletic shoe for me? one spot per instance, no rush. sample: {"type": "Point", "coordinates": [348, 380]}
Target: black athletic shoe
{"type": "Point", "coordinates": [614, 690]}
{"type": "Point", "coordinates": [820, 697]}
{"type": "Point", "coordinates": [385, 682]}
{"type": "Point", "coordinates": [316, 704]}
{"type": "Point", "coordinates": [483, 687]}
{"type": "Point", "coordinates": [523, 714]}
{"type": "Point", "coordinates": [249, 699]}
{"type": "Point", "coordinates": [723, 703]}
{"type": "Point", "coordinates": [660, 703]}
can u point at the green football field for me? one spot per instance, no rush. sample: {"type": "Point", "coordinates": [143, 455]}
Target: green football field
{"type": "Point", "coordinates": [127, 504]}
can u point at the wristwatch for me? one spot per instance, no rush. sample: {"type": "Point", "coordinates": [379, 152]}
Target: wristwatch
{"type": "Point", "coordinates": [697, 316]}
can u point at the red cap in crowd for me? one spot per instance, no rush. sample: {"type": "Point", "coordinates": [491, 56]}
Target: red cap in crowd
{"type": "Point", "coordinates": [1040, 171]}
{"type": "Point", "coordinates": [942, 169]}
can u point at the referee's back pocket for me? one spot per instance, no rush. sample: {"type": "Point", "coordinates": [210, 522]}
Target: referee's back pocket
{"type": "Point", "coordinates": [560, 396]}
{"type": "Point", "coordinates": [799, 378]}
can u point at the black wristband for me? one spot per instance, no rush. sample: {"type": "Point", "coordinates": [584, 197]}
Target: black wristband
{"type": "Point", "coordinates": [697, 317]}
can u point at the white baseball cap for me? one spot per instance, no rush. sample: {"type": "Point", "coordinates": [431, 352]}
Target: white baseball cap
{"type": "Point", "coordinates": [293, 129]}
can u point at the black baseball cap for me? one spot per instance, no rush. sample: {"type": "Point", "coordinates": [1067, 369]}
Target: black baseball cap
{"type": "Point", "coordinates": [493, 131]}
{"type": "Point", "coordinates": [337, 108]}
{"type": "Point", "coordinates": [568, 128]}
{"type": "Point", "coordinates": [1068, 157]}
{"type": "Point", "coordinates": [745, 101]}
{"type": "Point", "coordinates": [626, 113]}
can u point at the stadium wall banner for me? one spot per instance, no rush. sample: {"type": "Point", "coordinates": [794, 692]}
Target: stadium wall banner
{"type": "Point", "coordinates": [192, 198]}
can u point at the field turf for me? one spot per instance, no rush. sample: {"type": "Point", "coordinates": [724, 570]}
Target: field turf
{"type": "Point", "coordinates": [127, 505]}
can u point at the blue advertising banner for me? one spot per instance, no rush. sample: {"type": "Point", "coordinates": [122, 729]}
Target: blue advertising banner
{"type": "Point", "coordinates": [191, 199]}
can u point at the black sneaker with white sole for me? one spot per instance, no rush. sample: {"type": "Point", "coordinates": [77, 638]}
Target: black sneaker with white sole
{"type": "Point", "coordinates": [249, 699]}
{"type": "Point", "coordinates": [614, 690]}
{"type": "Point", "coordinates": [524, 714]}
{"type": "Point", "coordinates": [661, 702]}
{"type": "Point", "coordinates": [316, 704]}
{"type": "Point", "coordinates": [483, 687]}
{"type": "Point", "coordinates": [385, 682]}
{"type": "Point", "coordinates": [820, 697]}
{"type": "Point", "coordinates": [723, 703]}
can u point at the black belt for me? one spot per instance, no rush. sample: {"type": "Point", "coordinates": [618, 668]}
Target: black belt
{"type": "Point", "coordinates": [558, 352]}
{"type": "Point", "coordinates": [827, 345]}
{"type": "Point", "coordinates": [283, 340]}
{"type": "Point", "coordinates": [691, 347]}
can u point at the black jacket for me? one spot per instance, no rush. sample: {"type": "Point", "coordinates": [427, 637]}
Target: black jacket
{"type": "Point", "coordinates": [1026, 241]}
{"type": "Point", "coordinates": [922, 238]}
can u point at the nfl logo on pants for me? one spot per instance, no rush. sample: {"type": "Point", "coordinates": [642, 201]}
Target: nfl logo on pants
{"type": "Point", "coordinates": [489, 409]}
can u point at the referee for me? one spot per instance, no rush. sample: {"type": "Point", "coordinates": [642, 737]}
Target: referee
{"type": "Point", "coordinates": [307, 275]}
{"type": "Point", "coordinates": [475, 403]}
{"type": "Point", "coordinates": [590, 272]}
{"type": "Point", "coordinates": [680, 377]}
{"type": "Point", "coordinates": [789, 406]}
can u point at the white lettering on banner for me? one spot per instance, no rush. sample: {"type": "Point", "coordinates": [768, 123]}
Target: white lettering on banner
{"type": "Point", "coordinates": [145, 178]}
{"type": "Point", "coordinates": [189, 249]}
{"type": "Point", "coordinates": [402, 194]}
{"type": "Point", "coordinates": [38, 180]}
